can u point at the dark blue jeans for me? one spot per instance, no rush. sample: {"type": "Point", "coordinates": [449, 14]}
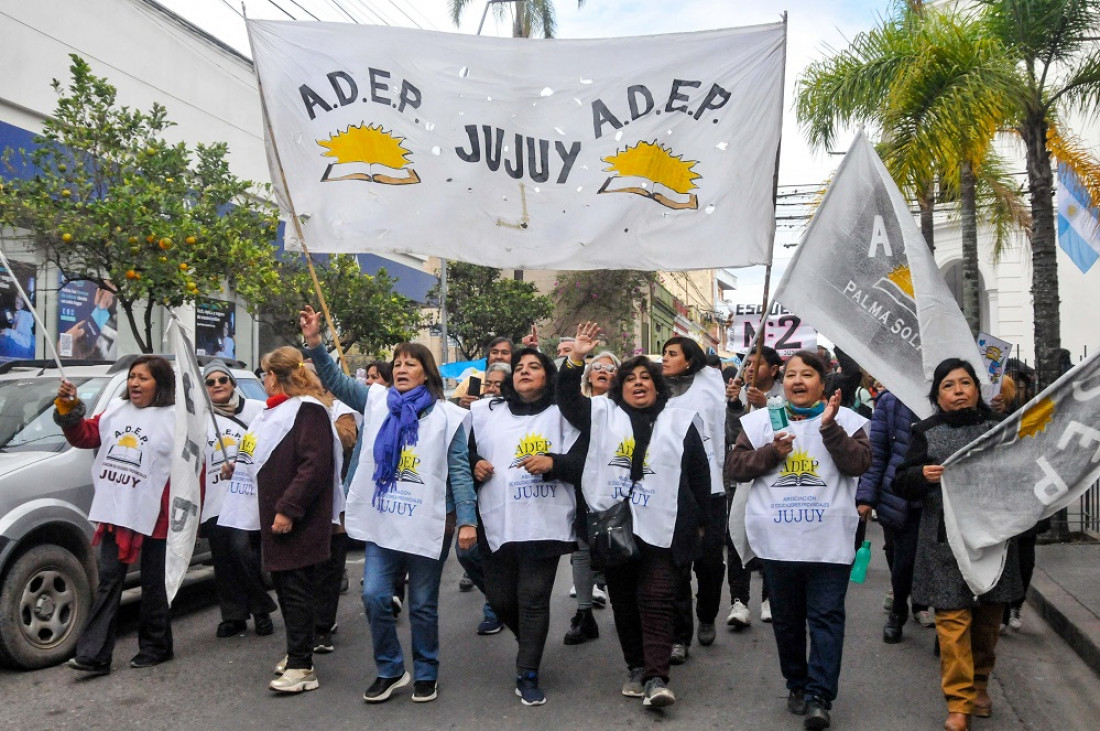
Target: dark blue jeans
{"type": "Point", "coordinates": [809, 595]}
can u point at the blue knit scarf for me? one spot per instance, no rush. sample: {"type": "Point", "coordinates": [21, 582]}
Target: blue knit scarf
{"type": "Point", "coordinates": [400, 428]}
{"type": "Point", "coordinates": [797, 413]}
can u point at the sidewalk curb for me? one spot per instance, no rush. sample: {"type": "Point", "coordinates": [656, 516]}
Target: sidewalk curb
{"type": "Point", "coordinates": [1078, 626]}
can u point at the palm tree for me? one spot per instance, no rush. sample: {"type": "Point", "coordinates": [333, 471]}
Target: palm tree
{"type": "Point", "coordinates": [1052, 44]}
{"type": "Point", "coordinates": [530, 16]}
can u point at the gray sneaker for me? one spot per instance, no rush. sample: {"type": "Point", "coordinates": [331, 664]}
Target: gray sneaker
{"type": "Point", "coordinates": [295, 680]}
{"type": "Point", "coordinates": [679, 654]}
{"type": "Point", "coordinates": [657, 694]}
{"type": "Point", "coordinates": [633, 687]}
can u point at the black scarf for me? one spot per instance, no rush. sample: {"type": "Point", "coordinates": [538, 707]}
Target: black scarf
{"type": "Point", "coordinates": [641, 422]}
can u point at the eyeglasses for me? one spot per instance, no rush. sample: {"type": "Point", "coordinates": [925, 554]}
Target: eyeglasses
{"type": "Point", "coordinates": [220, 380]}
{"type": "Point", "coordinates": [608, 367]}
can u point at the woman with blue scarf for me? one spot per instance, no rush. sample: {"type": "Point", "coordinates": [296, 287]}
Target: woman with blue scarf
{"type": "Point", "coordinates": [408, 486]}
{"type": "Point", "coordinates": [800, 519]}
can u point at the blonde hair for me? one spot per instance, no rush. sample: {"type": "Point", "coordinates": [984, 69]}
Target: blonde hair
{"type": "Point", "coordinates": [286, 365]}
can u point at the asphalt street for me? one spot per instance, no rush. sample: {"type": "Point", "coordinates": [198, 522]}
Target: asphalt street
{"type": "Point", "coordinates": [215, 683]}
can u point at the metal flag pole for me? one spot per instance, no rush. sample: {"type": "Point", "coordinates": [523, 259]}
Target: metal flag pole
{"type": "Point", "coordinates": [294, 215]}
{"type": "Point", "coordinates": [37, 319]}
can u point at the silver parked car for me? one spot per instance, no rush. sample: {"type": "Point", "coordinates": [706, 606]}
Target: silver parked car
{"type": "Point", "coordinates": [47, 564]}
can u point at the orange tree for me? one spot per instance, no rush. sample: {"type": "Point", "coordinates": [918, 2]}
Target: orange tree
{"type": "Point", "coordinates": [108, 200]}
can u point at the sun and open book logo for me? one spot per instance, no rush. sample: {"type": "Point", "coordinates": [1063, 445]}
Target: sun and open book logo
{"type": "Point", "coordinates": [799, 470]}
{"type": "Point", "coordinates": [1036, 418]}
{"type": "Point", "coordinates": [624, 453]}
{"type": "Point", "coordinates": [655, 163]}
{"type": "Point", "coordinates": [223, 445]}
{"type": "Point", "coordinates": [406, 467]}
{"type": "Point", "coordinates": [530, 445]}
{"type": "Point", "coordinates": [898, 286]}
{"type": "Point", "coordinates": [126, 450]}
{"type": "Point", "coordinates": [370, 154]}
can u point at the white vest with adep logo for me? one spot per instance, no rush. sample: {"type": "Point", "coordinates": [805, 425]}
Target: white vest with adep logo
{"type": "Point", "coordinates": [412, 517]}
{"type": "Point", "coordinates": [515, 505]}
{"type": "Point", "coordinates": [241, 508]}
{"type": "Point", "coordinates": [132, 466]}
{"type": "Point", "coordinates": [804, 509]}
{"type": "Point", "coordinates": [706, 396]}
{"type": "Point", "coordinates": [606, 478]}
{"type": "Point", "coordinates": [231, 429]}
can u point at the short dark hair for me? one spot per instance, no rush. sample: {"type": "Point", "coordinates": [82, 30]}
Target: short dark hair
{"type": "Point", "coordinates": [696, 358]}
{"type": "Point", "coordinates": [946, 366]}
{"type": "Point", "coordinates": [497, 341]}
{"type": "Point", "coordinates": [812, 359]}
{"type": "Point", "coordinates": [163, 375]}
{"type": "Point", "coordinates": [432, 379]}
{"type": "Point", "coordinates": [615, 393]}
{"type": "Point", "coordinates": [507, 388]}
{"type": "Point", "coordinates": [385, 370]}
{"type": "Point", "coordinates": [771, 357]}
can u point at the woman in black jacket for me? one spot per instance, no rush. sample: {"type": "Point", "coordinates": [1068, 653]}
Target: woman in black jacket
{"type": "Point", "coordinates": [967, 626]}
{"type": "Point", "coordinates": [653, 455]}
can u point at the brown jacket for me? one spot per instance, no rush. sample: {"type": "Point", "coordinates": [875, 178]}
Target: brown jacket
{"type": "Point", "coordinates": [297, 482]}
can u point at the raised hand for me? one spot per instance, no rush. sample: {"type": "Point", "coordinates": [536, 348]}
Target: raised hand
{"type": "Point", "coordinates": [588, 334]}
{"type": "Point", "coordinates": [310, 323]}
{"type": "Point", "coordinates": [831, 409]}
{"type": "Point", "coordinates": [532, 340]}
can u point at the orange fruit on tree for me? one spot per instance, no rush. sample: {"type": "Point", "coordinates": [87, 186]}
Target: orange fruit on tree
{"type": "Point", "coordinates": [131, 274]}
{"type": "Point", "coordinates": [165, 243]}
{"type": "Point", "coordinates": [66, 237]}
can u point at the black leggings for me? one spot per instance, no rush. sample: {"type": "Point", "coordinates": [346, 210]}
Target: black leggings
{"type": "Point", "coordinates": [518, 589]}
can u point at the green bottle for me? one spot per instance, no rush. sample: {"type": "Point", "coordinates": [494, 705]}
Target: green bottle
{"type": "Point", "coordinates": [863, 559]}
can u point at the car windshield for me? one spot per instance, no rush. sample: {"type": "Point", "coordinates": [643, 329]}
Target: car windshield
{"type": "Point", "coordinates": [251, 388]}
{"type": "Point", "coordinates": [26, 412]}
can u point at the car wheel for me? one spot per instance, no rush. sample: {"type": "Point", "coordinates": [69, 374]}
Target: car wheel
{"type": "Point", "coordinates": [44, 603]}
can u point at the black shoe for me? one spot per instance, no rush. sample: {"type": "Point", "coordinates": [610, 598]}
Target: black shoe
{"type": "Point", "coordinates": [382, 688]}
{"type": "Point", "coordinates": [145, 660]}
{"type": "Point", "coordinates": [231, 628]}
{"type": "Point", "coordinates": [264, 626]}
{"type": "Point", "coordinates": [796, 702]}
{"type": "Point", "coordinates": [891, 633]}
{"type": "Point", "coordinates": [424, 691]}
{"type": "Point", "coordinates": [92, 668]}
{"type": "Point", "coordinates": [817, 716]}
{"type": "Point", "coordinates": [465, 583]}
{"type": "Point", "coordinates": [706, 633]}
{"type": "Point", "coordinates": [344, 582]}
{"type": "Point", "coordinates": [323, 645]}
{"type": "Point", "coordinates": [582, 628]}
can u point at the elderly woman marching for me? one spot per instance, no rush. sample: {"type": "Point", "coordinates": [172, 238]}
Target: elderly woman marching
{"type": "Point", "coordinates": [967, 626]}
{"type": "Point", "coordinates": [526, 508]}
{"type": "Point", "coordinates": [288, 472]}
{"type": "Point", "coordinates": [800, 519]}
{"type": "Point", "coordinates": [238, 579]}
{"type": "Point", "coordinates": [411, 483]}
{"type": "Point", "coordinates": [130, 507]}
{"type": "Point", "coordinates": [651, 454]}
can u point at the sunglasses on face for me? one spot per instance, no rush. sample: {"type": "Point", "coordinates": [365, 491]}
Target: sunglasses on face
{"type": "Point", "coordinates": [607, 367]}
{"type": "Point", "coordinates": [220, 381]}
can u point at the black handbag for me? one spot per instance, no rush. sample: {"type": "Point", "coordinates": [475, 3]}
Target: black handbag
{"type": "Point", "coordinates": [611, 535]}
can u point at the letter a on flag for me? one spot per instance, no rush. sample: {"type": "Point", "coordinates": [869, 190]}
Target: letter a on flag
{"type": "Point", "coordinates": [188, 459]}
{"type": "Point", "coordinates": [865, 278]}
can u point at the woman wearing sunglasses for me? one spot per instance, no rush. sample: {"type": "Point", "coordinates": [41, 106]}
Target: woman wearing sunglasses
{"type": "Point", "coordinates": [235, 552]}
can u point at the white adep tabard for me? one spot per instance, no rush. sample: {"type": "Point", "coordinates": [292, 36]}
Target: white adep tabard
{"type": "Point", "coordinates": [804, 509]}
{"type": "Point", "coordinates": [606, 480]}
{"type": "Point", "coordinates": [132, 465]}
{"type": "Point", "coordinates": [515, 505]}
{"type": "Point", "coordinates": [231, 430]}
{"type": "Point", "coordinates": [412, 517]}
{"type": "Point", "coordinates": [707, 397]}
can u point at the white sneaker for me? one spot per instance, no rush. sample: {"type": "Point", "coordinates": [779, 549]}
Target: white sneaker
{"type": "Point", "coordinates": [599, 597]}
{"type": "Point", "coordinates": [280, 667]}
{"type": "Point", "coordinates": [295, 680]}
{"type": "Point", "coordinates": [573, 591]}
{"type": "Point", "coordinates": [739, 616]}
{"type": "Point", "coordinates": [766, 611]}
{"type": "Point", "coordinates": [1014, 620]}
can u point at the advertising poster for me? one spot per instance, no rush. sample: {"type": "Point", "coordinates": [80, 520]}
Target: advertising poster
{"type": "Point", "coordinates": [87, 322]}
{"type": "Point", "coordinates": [216, 329]}
{"type": "Point", "coordinates": [784, 330]}
{"type": "Point", "coordinates": [16, 321]}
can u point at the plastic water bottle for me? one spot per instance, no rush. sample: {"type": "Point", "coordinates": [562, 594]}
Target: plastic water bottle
{"type": "Point", "coordinates": [777, 412]}
{"type": "Point", "coordinates": [863, 560]}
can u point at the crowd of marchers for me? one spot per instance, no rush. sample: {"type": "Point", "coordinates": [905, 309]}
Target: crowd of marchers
{"type": "Point", "coordinates": [722, 473]}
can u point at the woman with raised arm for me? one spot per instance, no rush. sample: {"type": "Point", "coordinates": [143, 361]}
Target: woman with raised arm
{"type": "Point", "coordinates": [800, 519]}
{"type": "Point", "coordinates": [409, 483]}
{"type": "Point", "coordinates": [526, 460]}
{"type": "Point", "coordinates": [651, 454]}
{"type": "Point", "coordinates": [130, 507]}
{"type": "Point", "coordinates": [967, 626]}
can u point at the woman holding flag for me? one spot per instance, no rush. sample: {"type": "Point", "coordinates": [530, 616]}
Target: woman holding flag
{"type": "Point", "coordinates": [130, 474]}
{"type": "Point", "coordinates": [967, 626]}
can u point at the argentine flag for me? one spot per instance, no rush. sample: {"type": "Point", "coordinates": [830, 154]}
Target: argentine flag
{"type": "Point", "coordinates": [1078, 227]}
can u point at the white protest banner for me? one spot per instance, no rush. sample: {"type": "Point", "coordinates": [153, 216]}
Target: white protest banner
{"type": "Point", "coordinates": [864, 277]}
{"type": "Point", "coordinates": [995, 354]}
{"type": "Point", "coordinates": [185, 497]}
{"type": "Point", "coordinates": [783, 330]}
{"type": "Point", "coordinates": [1033, 464]}
{"type": "Point", "coordinates": [653, 153]}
